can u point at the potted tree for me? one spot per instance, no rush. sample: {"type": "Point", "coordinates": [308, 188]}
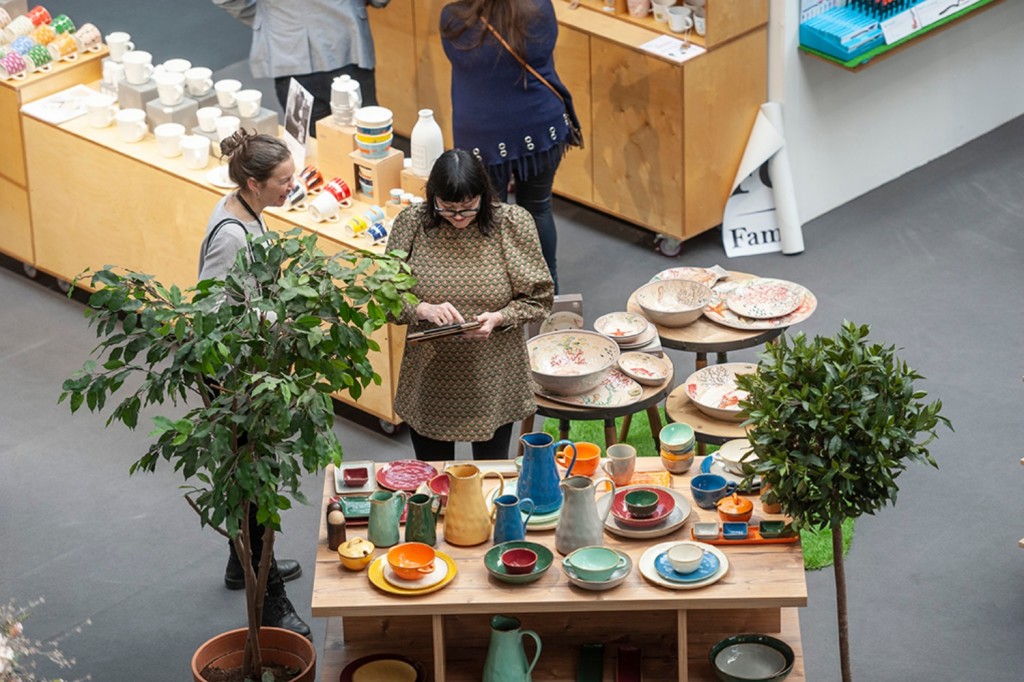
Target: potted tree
{"type": "Point", "coordinates": [256, 355]}
{"type": "Point", "coordinates": [834, 422]}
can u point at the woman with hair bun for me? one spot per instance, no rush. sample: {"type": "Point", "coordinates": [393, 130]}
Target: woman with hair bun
{"type": "Point", "coordinates": [264, 171]}
{"type": "Point", "coordinates": [474, 258]}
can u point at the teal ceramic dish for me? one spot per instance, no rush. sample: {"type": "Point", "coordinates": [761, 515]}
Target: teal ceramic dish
{"type": "Point", "coordinates": [751, 658]}
{"type": "Point", "coordinates": [772, 529]}
{"type": "Point", "coordinates": [492, 560]}
{"type": "Point", "coordinates": [677, 438]}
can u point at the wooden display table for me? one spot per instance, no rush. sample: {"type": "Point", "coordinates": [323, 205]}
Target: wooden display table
{"type": "Point", "coordinates": [448, 630]}
{"type": "Point", "coordinates": [97, 200]}
{"type": "Point", "coordinates": [15, 215]}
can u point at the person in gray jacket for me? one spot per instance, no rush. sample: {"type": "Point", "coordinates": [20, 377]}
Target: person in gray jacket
{"type": "Point", "coordinates": [314, 42]}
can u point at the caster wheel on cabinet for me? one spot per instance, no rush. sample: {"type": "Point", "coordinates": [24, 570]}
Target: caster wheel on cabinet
{"type": "Point", "coordinates": [388, 428]}
{"type": "Point", "coordinates": [63, 285]}
{"type": "Point", "coordinates": [29, 271]}
{"type": "Point", "coordinates": [667, 246]}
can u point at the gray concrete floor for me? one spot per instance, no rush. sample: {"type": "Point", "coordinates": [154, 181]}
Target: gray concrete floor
{"type": "Point", "coordinates": [930, 260]}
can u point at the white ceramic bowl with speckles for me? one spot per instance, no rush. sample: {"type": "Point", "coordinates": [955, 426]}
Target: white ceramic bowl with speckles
{"type": "Point", "coordinates": [571, 362]}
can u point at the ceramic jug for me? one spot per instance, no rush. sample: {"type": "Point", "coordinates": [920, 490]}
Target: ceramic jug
{"type": "Point", "coordinates": [538, 479]}
{"type": "Point", "coordinates": [509, 523]}
{"type": "Point", "coordinates": [580, 524]}
{"type": "Point", "coordinates": [385, 514]}
{"type": "Point", "coordinates": [421, 519]}
{"type": "Point", "coordinates": [506, 657]}
{"type": "Point", "coordinates": [466, 518]}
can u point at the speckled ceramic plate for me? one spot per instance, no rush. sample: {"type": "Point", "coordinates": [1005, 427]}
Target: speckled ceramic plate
{"type": "Point", "coordinates": [650, 555]}
{"type": "Point", "coordinates": [705, 276]}
{"type": "Point", "coordinates": [405, 474]}
{"type": "Point", "coordinates": [765, 298]}
{"type": "Point", "coordinates": [376, 575]}
{"type": "Point", "coordinates": [718, 311]}
{"type": "Point", "coordinates": [615, 390]}
{"type": "Point", "coordinates": [644, 368]}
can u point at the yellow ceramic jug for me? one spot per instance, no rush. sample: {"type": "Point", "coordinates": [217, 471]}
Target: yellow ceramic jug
{"type": "Point", "coordinates": [466, 519]}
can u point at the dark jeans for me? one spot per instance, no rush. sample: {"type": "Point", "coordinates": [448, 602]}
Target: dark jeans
{"type": "Point", "coordinates": [430, 450]}
{"type": "Point", "coordinates": [534, 194]}
{"type": "Point", "coordinates": [319, 85]}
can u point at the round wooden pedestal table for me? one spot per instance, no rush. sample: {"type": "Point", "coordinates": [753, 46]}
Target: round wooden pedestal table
{"type": "Point", "coordinates": [564, 413]}
{"type": "Point", "coordinates": [707, 430]}
{"type": "Point", "coordinates": [704, 336]}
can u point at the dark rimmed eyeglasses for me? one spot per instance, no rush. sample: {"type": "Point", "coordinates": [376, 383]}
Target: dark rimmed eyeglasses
{"type": "Point", "coordinates": [461, 213]}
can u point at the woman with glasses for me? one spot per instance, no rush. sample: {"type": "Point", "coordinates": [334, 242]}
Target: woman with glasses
{"type": "Point", "coordinates": [509, 107]}
{"type": "Point", "coordinates": [474, 259]}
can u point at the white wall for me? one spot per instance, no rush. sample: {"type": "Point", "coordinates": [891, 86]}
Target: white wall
{"type": "Point", "coordinates": [849, 132]}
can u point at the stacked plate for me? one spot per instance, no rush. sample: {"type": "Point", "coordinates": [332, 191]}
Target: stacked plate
{"type": "Point", "coordinates": [614, 580]}
{"type": "Point", "coordinates": [492, 560]}
{"type": "Point", "coordinates": [620, 510]}
{"type": "Point", "coordinates": [760, 304]}
{"type": "Point", "coordinates": [674, 520]}
{"type": "Point", "coordinates": [655, 567]}
{"type": "Point", "coordinates": [383, 577]}
{"type": "Point", "coordinates": [374, 132]}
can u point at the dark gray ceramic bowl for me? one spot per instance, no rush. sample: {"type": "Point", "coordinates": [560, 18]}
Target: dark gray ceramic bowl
{"type": "Point", "coordinates": [751, 658]}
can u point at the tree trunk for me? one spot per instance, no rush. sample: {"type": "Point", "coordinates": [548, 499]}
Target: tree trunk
{"type": "Point", "coordinates": [840, 574]}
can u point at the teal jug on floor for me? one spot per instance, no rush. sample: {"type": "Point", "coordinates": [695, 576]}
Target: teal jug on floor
{"type": "Point", "coordinates": [506, 658]}
{"type": "Point", "coordinates": [538, 479]}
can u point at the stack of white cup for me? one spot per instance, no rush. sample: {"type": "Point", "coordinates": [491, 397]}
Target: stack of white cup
{"type": "Point", "coordinates": [345, 99]}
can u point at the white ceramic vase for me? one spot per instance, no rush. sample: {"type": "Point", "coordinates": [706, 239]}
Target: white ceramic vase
{"type": "Point", "coordinates": [427, 143]}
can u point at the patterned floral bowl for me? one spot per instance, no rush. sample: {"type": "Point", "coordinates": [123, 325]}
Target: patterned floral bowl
{"type": "Point", "coordinates": [623, 327]}
{"type": "Point", "coordinates": [673, 302]}
{"type": "Point", "coordinates": [571, 362]}
{"type": "Point", "coordinates": [713, 390]}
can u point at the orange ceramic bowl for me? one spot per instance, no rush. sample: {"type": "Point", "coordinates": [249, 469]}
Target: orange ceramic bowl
{"type": "Point", "coordinates": [588, 456]}
{"type": "Point", "coordinates": [411, 560]}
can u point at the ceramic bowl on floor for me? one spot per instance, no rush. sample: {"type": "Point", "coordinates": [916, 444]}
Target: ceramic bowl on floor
{"type": "Point", "coordinates": [673, 302]}
{"type": "Point", "coordinates": [571, 362]}
{"type": "Point", "coordinates": [751, 658]}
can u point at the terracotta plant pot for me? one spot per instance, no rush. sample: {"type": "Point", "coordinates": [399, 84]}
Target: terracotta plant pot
{"type": "Point", "coordinates": [277, 645]}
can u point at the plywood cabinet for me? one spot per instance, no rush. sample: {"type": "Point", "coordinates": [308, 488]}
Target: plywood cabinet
{"type": "Point", "coordinates": [662, 140]}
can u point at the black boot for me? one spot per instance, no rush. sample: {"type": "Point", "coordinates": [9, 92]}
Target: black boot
{"type": "Point", "coordinates": [278, 612]}
{"type": "Point", "coordinates": [234, 579]}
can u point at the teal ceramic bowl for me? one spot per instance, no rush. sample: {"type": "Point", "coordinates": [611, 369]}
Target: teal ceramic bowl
{"type": "Point", "coordinates": [641, 503]}
{"type": "Point", "coordinates": [677, 438]}
{"type": "Point", "coordinates": [595, 563]}
{"type": "Point", "coordinates": [751, 658]}
{"type": "Point", "coordinates": [492, 560]}
{"type": "Point", "coordinates": [772, 529]}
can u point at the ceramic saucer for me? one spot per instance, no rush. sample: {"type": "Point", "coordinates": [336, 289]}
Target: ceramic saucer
{"type": "Point", "coordinates": [218, 177]}
{"type": "Point", "coordinates": [600, 585]}
{"type": "Point", "coordinates": [376, 575]}
{"type": "Point", "coordinates": [391, 667]}
{"type": "Point", "coordinates": [707, 568]}
{"type": "Point", "coordinates": [615, 390]}
{"type": "Point", "coordinates": [650, 555]}
{"type": "Point", "coordinates": [645, 338]}
{"type": "Point", "coordinates": [712, 465]}
{"type": "Point", "coordinates": [674, 521]}
{"type": "Point", "coordinates": [439, 573]}
{"type": "Point", "coordinates": [718, 311]}
{"type": "Point", "coordinates": [666, 503]}
{"type": "Point", "coordinates": [764, 298]}
{"type": "Point", "coordinates": [492, 560]}
{"type": "Point", "coordinates": [405, 474]}
{"type": "Point", "coordinates": [339, 479]}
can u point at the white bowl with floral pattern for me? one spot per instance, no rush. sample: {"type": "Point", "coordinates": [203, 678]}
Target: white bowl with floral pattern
{"type": "Point", "coordinates": [644, 368]}
{"type": "Point", "coordinates": [623, 327]}
{"type": "Point", "coordinates": [571, 362]}
{"type": "Point", "coordinates": [713, 390]}
{"type": "Point", "coordinates": [673, 302]}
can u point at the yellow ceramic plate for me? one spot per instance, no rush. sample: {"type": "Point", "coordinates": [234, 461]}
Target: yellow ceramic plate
{"type": "Point", "coordinates": [376, 575]}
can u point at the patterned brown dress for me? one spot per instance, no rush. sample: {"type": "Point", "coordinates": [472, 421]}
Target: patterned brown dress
{"type": "Point", "coordinates": [454, 389]}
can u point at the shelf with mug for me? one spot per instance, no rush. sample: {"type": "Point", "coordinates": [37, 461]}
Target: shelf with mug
{"type": "Point", "coordinates": [15, 214]}
{"type": "Point", "coordinates": [724, 20]}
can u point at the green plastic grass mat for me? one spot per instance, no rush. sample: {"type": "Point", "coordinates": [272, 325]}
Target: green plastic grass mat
{"type": "Point", "coordinates": [817, 546]}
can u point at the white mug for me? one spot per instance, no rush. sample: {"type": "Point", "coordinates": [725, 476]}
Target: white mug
{"type": "Point", "coordinates": [196, 151]}
{"type": "Point", "coordinates": [176, 66]}
{"type": "Point", "coordinates": [226, 90]}
{"type": "Point", "coordinates": [198, 81]}
{"type": "Point", "coordinates": [660, 8]}
{"type": "Point", "coordinates": [100, 110]}
{"type": "Point", "coordinates": [138, 66]}
{"type": "Point", "coordinates": [119, 43]}
{"type": "Point", "coordinates": [345, 92]}
{"type": "Point", "coordinates": [679, 19]}
{"type": "Point", "coordinates": [170, 87]}
{"type": "Point", "coordinates": [248, 102]}
{"type": "Point", "coordinates": [207, 117]}
{"type": "Point", "coordinates": [324, 208]}
{"type": "Point", "coordinates": [700, 21]}
{"type": "Point", "coordinates": [113, 72]}
{"type": "Point", "coordinates": [131, 124]}
{"type": "Point", "coordinates": [168, 138]}
{"type": "Point", "coordinates": [226, 126]}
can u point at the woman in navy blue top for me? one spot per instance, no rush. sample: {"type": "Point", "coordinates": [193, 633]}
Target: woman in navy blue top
{"type": "Point", "coordinates": [514, 123]}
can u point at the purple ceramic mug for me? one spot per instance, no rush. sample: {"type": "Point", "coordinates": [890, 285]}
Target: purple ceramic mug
{"type": "Point", "coordinates": [13, 65]}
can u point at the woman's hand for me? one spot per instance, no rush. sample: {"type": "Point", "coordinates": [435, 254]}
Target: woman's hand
{"type": "Point", "coordinates": [439, 314]}
{"type": "Point", "coordinates": [488, 322]}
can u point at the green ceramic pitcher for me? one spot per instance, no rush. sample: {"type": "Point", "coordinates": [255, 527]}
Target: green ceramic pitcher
{"type": "Point", "coordinates": [506, 657]}
{"type": "Point", "coordinates": [421, 519]}
{"type": "Point", "coordinates": [385, 514]}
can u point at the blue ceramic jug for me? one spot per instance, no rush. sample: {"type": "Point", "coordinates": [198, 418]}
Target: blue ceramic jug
{"type": "Point", "coordinates": [509, 523]}
{"type": "Point", "coordinates": [538, 479]}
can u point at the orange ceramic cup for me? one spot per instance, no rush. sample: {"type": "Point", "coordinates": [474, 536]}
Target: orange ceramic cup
{"type": "Point", "coordinates": [588, 456]}
{"type": "Point", "coordinates": [411, 560]}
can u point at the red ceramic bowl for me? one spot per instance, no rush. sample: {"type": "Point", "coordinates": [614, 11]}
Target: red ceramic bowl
{"type": "Point", "coordinates": [519, 561]}
{"type": "Point", "coordinates": [355, 477]}
{"type": "Point", "coordinates": [439, 486]}
{"type": "Point", "coordinates": [666, 503]}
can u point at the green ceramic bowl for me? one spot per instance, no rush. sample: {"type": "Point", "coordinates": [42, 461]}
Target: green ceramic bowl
{"type": "Point", "coordinates": [751, 658]}
{"type": "Point", "coordinates": [492, 560]}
